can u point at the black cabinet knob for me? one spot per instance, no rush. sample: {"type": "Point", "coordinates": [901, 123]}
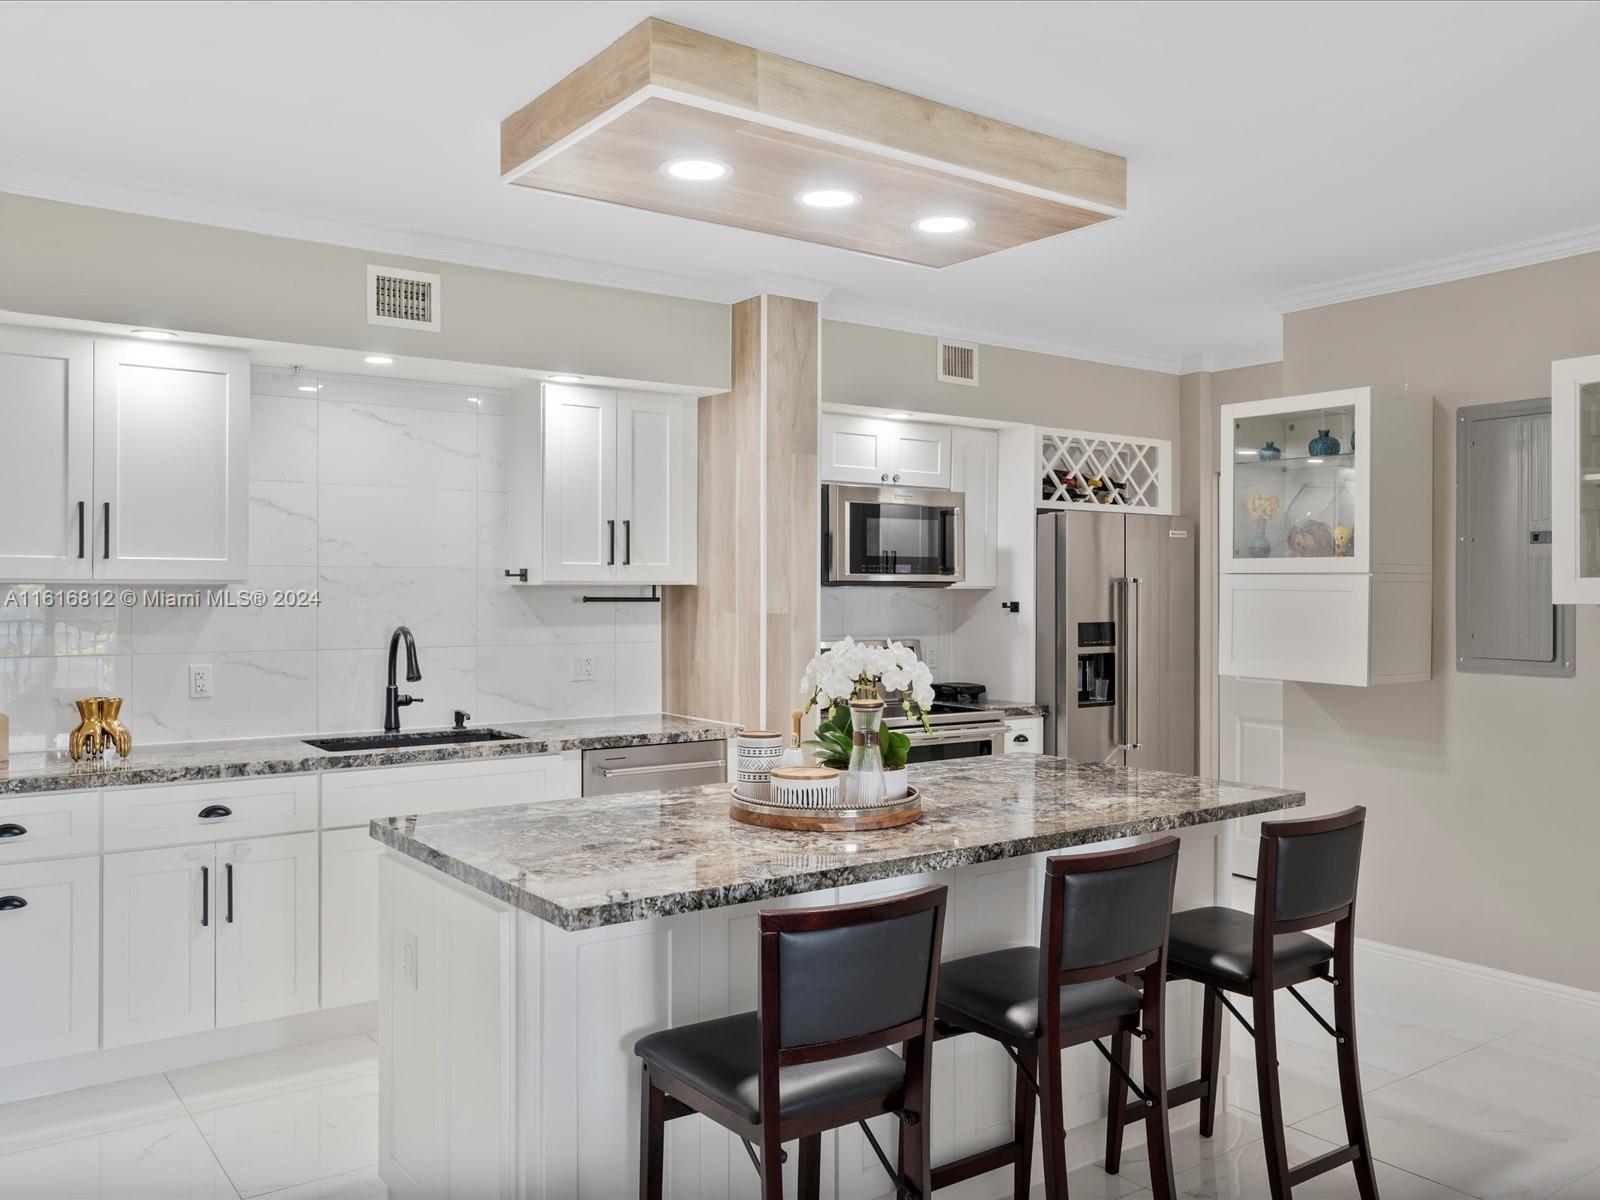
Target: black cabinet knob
{"type": "Point", "coordinates": [212, 811]}
{"type": "Point", "coordinates": [10, 831]}
{"type": "Point", "coordinates": [7, 903]}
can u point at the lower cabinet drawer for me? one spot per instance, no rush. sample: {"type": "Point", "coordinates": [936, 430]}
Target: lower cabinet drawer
{"type": "Point", "coordinates": [185, 813]}
{"type": "Point", "coordinates": [49, 825]}
{"type": "Point", "coordinates": [50, 945]}
{"type": "Point", "coordinates": [356, 796]}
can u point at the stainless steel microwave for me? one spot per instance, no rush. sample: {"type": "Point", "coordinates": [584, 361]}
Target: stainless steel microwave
{"type": "Point", "coordinates": [892, 535]}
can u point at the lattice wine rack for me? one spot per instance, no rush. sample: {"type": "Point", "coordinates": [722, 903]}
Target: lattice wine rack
{"type": "Point", "coordinates": [1092, 470]}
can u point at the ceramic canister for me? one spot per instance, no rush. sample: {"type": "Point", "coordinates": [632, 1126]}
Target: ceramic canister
{"type": "Point", "coordinates": [806, 787]}
{"type": "Point", "coordinates": [760, 750]}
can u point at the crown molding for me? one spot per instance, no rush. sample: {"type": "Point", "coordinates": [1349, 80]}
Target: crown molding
{"type": "Point", "coordinates": [1232, 360]}
{"type": "Point", "coordinates": [771, 283]}
{"type": "Point", "coordinates": [1444, 270]}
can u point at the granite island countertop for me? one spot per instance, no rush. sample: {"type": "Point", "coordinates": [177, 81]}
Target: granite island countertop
{"type": "Point", "coordinates": [583, 864]}
{"type": "Point", "coordinates": [179, 762]}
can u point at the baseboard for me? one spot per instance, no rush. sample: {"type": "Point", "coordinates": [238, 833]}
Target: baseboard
{"type": "Point", "coordinates": [170, 1054]}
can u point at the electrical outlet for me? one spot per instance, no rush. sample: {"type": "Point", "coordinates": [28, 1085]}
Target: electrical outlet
{"type": "Point", "coordinates": [582, 668]}
{"type": "Point", "coordinates": [199, 681]}
{"type": "Point", "coordinates": [408, 959]}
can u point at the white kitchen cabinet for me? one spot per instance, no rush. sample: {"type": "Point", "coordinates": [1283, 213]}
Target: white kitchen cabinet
{"type": "Point", "coordinates": [1327, 538]}
{"type": "Point", "coordinates": [46, 455]}
{"type": "Point", "coordinates": [49, 825]}
{"type": "Point", "coordinates": [882, 450]}
{"type": "Point", "coordinates": [1025, 735]}
{"type": "Point", "coordinates": [604, 486]}
{"type": "Point", "coordinates": [171, 814]}
{"type": "Point", "coordinates": [50, 945]}
{"type": "Point", "coordinates": [266, 930]}
{"type": "Point", "coordinates": [975, 473]}
{"type": "Point", "coordinates": [1575, 480]}
{"type": "Point", "coordinates": [349, 916]}
{"type": "Point", "coordinates": [158, 967]}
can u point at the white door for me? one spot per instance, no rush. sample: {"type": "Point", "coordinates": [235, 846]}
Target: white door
{"type": "Point", "coordinates": [580, 485]}
{"type": "Point", "coordinates": [1575, 481]}
{"type": "Point", "coordinates": [920, 455]}
{"type": "Point", "coordinates": [656, 502]}
{"type": "Point", "coordinates": [349, 916]}
{"type": "Point", "coordinates": [50, 943]}
{"type": "Point", "coordinates": [158, 964]}
{"type": "Point", "coordinates": [855, 449]}
{"type": "Point", "coordinates": [171, 462]}
{"type": "Point", "coordinates": [266, 928]}
{"type": "Point", "coordinates": [46, 454]}
{"type": "Point", "coordinates": [975, 473]}
{"type": "Point", "coordinates": [1251, 712]}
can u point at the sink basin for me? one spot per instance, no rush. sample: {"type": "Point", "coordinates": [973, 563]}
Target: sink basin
{"type": "Point", "coordinates": [403, 741]}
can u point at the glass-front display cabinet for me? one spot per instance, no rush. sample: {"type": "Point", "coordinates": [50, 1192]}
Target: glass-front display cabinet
{"type": "Point", "coordinates": [1575, 481]}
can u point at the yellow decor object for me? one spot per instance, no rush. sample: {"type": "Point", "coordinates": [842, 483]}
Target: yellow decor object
{"type": "Point", "coordinates": [1344, 541]}
{"type": "Point", "coordinates": [1261, 506]}
{"type": "Point", "coordinates": [99, 729]}
{"type": "Point", "coordinates": [115, 731]}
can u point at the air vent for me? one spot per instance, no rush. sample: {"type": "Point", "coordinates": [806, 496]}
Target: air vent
{"type": "Point", "coordinates": [408, 299]}
{"type": "Point", "coordinates": [958, 363]}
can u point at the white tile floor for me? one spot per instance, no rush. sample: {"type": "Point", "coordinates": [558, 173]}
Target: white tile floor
{"type": "Point", "coordinates": [1499, 1114]}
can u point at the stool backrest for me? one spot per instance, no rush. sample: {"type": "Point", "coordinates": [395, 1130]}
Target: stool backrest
{"type": "Point", "coordinates": [1106, 914]}
{"type": "Point", "coordinates": [849, 978]}
{"type": "Point", "coordinates": [1307, 871]}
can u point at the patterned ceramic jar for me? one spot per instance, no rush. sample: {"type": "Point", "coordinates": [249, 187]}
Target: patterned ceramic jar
{"type": "Point", "coordinates": [760, 750]}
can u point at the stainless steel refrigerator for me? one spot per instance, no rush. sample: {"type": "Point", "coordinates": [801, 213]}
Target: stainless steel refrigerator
{"type": "Point", "coordinates": [1117, 624]}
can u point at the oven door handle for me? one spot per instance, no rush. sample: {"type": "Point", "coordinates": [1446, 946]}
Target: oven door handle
{"type": "Point", "coordinates": [972, 733]}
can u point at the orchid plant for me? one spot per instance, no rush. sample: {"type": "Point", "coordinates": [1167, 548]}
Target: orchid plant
{"type": "Point", "coordinates": [848, 668]}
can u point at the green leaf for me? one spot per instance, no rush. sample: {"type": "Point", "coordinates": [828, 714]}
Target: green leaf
{"type": "Point", "coordinates": [895, 748]}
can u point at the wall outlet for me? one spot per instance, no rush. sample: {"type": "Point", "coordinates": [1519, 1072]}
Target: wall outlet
{"type": "Point", "coordinates": [199, 681]}
{"type": "Point", "coordinates": [408, 959]}
{"type": "Point", "coordinates": [582, 668]}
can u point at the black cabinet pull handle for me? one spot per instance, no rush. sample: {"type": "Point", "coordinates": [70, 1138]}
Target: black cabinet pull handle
{"type": "Point", "coordinates": [8, 903]}
{"type": "Point", "coordinates": [611, 535]}
{"type": "Point", "coordinates": [1021, 737]}
{"type": "Point", "coordinates": [107, 553]}
{"type": "Point", "coordinates": [11, 831]}
{"type": "Point", "coordinates": [215, 810]}
{"type": "Point", "coordinates": [229, 869]}
{"type": "Point", "coordinates": [81, 544]}
{"type": "Point", "coordinates": [627, 542]}
{"type": "Point", "coordinates": [205, 896]}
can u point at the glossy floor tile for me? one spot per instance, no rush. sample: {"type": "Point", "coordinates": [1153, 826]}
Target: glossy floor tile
{"type": "Point", "coordinates": [26, 1124]}
{"type": "Point", "coordinates": [235, 1080]}
{"type": "Point", "coordinates": [1242, 1173]}
{"type": "Point", "coordinates": [162, 1160]}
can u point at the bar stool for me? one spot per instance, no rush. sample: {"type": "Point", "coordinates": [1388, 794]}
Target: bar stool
{"type": "Point", "coordinates": [839, 985]}
{"type": "Point", "coordinates": [1104, 925]}
{"type": "Point", "coordinates": [1305, 878]}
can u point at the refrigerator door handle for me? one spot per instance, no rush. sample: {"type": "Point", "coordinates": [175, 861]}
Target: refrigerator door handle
{"type": "Point", "coordinates": [1131, 620]}
{"type": "Point", "coordinates": [1119, 678]}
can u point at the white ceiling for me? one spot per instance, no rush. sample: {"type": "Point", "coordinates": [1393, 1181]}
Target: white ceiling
{"type": "Point", "coordinates": [1279, 153]}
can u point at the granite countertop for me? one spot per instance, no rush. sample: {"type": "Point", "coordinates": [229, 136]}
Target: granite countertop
{"type": "Point", "coordinates": [606, 861]}
{"type": "Point", "coordinates": [1011, 708]}
{"type": "Point", "coordinates": [178, 762]}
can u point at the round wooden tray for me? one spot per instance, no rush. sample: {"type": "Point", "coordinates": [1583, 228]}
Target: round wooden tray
{"type": "Point", "coordinates": [827, 820]}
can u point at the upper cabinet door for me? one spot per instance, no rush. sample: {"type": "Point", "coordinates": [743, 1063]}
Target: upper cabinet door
{"type": "Point", "coordinates": [581, 538]}
{"type": "Point", "coordinates": [46, 455]}
{"type": "Point", "coordinates": [171, 462]}
{"type": "Point", "coordinates": [920, 455]}
{"type": "Point", "coordinates": [856, 449]}
{"type": "Point", "coordinates": [975, 473]}
{"type": "Point", "coordinates": [1575, 480]}
{"type": "Point", "coordinates": [656, 485]}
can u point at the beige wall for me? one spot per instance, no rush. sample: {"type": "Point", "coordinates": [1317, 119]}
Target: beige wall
{"type": "Point", "coordinates": [65, 260]}
{"type": "Point", "coordinates": [1484, 790]}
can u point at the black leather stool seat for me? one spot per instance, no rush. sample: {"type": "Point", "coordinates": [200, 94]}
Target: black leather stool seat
{"type": "Point", "coordinates": [722, 1058]}
{"type": "Point", "coordinates": [1214, 944]}
{"type": "Point", "coordinates": [1000, 990]}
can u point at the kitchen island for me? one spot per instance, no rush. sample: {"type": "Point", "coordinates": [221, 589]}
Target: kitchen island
{"type": "Point", "coordinates": [525, 949]}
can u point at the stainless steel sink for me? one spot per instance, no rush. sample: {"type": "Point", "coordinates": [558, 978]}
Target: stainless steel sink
{"type": "Point", "coordinates": [402, 741]}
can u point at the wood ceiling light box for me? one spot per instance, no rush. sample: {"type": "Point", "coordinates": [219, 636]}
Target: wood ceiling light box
{"type": "Point", "coordinates": [661, 93]}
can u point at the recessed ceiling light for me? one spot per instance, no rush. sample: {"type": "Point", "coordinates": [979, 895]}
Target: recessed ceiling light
{"type": "Point", "coordinates": [949, 224]}
{"type": "Point", "coordinates": [154, 335]}
{"type": "Point", "coordinates": [829, 198]}
{"type": "Point", "coordinates": [696, 170]}
{"type": "Point", "coordinates": [566, 379]}
{"type": "Point", "coordinates": [377, 360]}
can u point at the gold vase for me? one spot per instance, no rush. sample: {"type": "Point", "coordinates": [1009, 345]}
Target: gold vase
{"type": "Point", "coordinates": [89, 739]}
{"type": "Point", "coordinates": [115, 730]}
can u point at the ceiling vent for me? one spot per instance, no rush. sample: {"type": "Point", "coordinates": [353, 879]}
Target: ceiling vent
{"type": "Point", "coordinates": [408, 299]}
{"type": "Point", "coordinates": [958, 362]}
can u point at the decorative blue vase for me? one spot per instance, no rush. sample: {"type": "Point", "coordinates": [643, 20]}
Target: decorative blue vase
{"type": "Point", "coordinates": [1269, 452]}
{"type": "Point", "coordinates": [1323, 445]}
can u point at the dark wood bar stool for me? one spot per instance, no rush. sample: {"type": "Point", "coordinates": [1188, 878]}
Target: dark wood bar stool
{"type": "Point", "coordinates": [839, 986]}
{"type": "Point", "coordinates": [1104, 926]}
{"type": "Point", "coordinates": [1305, 878]}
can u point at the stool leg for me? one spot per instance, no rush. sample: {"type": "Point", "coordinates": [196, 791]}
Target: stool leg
{"type": "Point", "coordinates": [1157, 1135]}
{"type": "Point", "coordinates": [652, 1130]}
{"type": "Point", "coordinates": [916, 1158]}
{"type": "Point", "coordinates": [1344, 1020]}
{"type": "Point", "coordinates": [1210, 1056]}
{"type": "Point", "coordinates": [771, 1162]}
{"type": "Point", "coordinates": [811, 1167]}
{"type": "Point", "coordinates": [1271, 1100]}
{"type": "Point", "coordinates": [1022, 1183]}
{"type": "Point", "coordinates": [1052, 1120]}
{"type": "Point", "coordinates": [1117, 1102]}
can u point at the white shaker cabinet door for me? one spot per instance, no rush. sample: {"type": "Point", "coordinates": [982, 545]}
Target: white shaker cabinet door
{"type": "Point", "coordinates": [266, 923]}
{"type": "Point", "coordinates": [975, 473]}
{"type": "Point", "coordinates": [50, 945]}
{"type": "Point", "coordinates": [158, 966]}
{"type": "Point", "coordinates": [46, 454]}
{"type": "Point", "coordinates": [920, 456]}
{"type": "Point", "coordinates": [855, 449]}
{"type": "Point", "coordinates": [656, 488]}
{"type": "Point", "coordinates": [349, 916]}
{"type": "Point", "coordinates": [580, 485]}
{"type": "Point", "coordinates": [171, 462]}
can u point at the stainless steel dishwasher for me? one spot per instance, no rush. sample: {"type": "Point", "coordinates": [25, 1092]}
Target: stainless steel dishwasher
{"type": "Point", "coordinates": [648, 768]}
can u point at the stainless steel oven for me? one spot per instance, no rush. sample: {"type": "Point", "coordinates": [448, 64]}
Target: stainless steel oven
{"type": "Point", "coordinates": [953, 735]}
{"type": "Point", "coordinates": [892, 535]}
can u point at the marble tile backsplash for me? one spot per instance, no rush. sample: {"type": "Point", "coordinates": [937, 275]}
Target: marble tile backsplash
{"type": "Point", "coordinates": [387, 500]}
{"type": "Point", "coordinates": [893, 612]}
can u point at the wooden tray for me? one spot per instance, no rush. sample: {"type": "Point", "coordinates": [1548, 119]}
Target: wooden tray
{"type": "Point", "coordinates": [827, 820]}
